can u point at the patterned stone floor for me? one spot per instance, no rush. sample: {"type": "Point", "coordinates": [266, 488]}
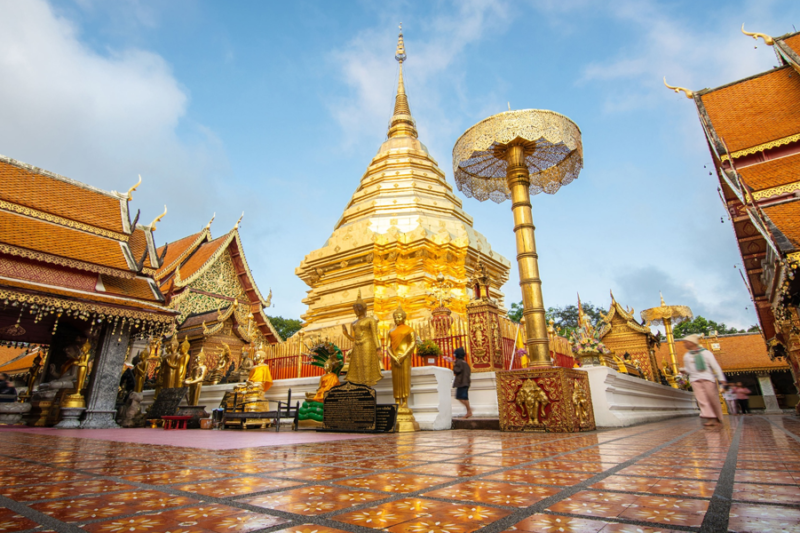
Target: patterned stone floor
{"type": "Point", "coordinates": [668, 476]}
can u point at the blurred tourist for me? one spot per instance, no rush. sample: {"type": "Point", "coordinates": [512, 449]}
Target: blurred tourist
{"type": "Point", "coordinates": [462, 372]}
{"type": "Point", "coordinates": [702, 369]}
{"type": "Point", "coordinates": [730, 398]}
{"type": "Point", "coordinates": [7, 391]}
{"type": "Point", "coordinates": [742, 398]}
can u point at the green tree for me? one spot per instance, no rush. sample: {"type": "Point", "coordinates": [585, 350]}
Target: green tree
{"type": "Point", "coordinates": [515, 314]}
{"type": "Point", "coordinates": [286, 327]}
{"type": "Point", "coordinates": [701, 325]}
{"type": "Point", "coordinates": [753, 328]}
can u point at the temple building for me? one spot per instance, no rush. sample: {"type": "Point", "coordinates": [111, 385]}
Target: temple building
{"type": "Point", "coordinates": [629, 340]}
{"type": "Point", "coordinates": [402, 228]}
{"type": "Point", "coordinates": [752, 127]}
{"type": "Point", "coordinates": [744, 358]}
{"type": "Point", "coordinates": [208, 282]}
{"type": "Point", "coordinates": [76, 279]}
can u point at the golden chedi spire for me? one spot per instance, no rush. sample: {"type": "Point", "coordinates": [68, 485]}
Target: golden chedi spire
{"type": "Point", "coordinates": [402, 124]}
{"type": "Point", "coordinates": [402, 226]}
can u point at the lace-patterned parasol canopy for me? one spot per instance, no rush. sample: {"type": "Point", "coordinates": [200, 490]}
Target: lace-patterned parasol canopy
{"type": "Point", "coordinates": [553, 153]}
{"type": "Point", "coordinates": [674, 313]}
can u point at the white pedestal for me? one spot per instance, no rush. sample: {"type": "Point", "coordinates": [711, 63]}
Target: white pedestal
{"type": "Point", "coordinates": [768, 393]}
{"type": "Point", "coordinates": [482, 397]}
{"type": "Point", "coordinates": [620, 400]}
{"type": "Point", "coordinates": [430, 394]}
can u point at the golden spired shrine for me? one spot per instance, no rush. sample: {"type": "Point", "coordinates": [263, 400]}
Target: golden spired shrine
{"type": "Point", "coordinates": [402, 228]}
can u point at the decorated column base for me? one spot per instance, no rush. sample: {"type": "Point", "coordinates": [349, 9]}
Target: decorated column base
{"type": "Point", "coordinates": [545, 399]}
{"type": "Point", "coordinates": [70, 417]}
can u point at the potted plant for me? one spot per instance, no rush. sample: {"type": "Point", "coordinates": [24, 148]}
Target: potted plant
{"type": "Point", "coordinates": [429, 351]}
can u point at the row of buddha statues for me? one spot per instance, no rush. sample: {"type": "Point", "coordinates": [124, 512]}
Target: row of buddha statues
{"type": "Point", "coordinates": [175, 367]}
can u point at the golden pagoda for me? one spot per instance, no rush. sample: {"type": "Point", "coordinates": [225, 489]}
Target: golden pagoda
{"type": "Point", "coordinates": [402, 228]}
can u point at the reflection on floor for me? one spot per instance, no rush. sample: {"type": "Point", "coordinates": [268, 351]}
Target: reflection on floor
{"type": "Point", "coordinates": [668, 476]}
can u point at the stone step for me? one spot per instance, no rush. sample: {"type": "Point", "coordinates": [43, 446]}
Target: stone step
{"type": "Point", "coordinates": [476, 423]}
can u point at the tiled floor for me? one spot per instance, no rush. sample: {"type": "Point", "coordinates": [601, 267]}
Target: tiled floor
{"type": "Point", "coordinates": [669, 476]}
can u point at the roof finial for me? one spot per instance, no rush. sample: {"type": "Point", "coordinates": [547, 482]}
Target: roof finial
{"type": "Point", "coordinates": [208, 226]}
{"type": "Point", "coordinates": [159, 217]}
{"type": "Point", "coordinates": [689, 94]}
{"type": "Point", "coordinates": [662, 299]}
{"type": "Point", "coordinates": [238, 221]}
{"type": "Point", "coordinates": [611, 292]}
{"type": "Point", "coordinates": [130, 191]}
{"type": "Point", "coordinates": [402, 125]}
{"type": "Point", "coordinates": [767, 39]}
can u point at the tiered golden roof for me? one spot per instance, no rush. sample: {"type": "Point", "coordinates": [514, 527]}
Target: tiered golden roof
{"type": "Point", "coordinates": [402, 227]}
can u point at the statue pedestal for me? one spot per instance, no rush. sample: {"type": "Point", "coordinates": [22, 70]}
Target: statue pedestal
{"type": "Point", "coordinates": [546, 399]}
{"type": "Point", "coordinates": [620, 400]}
{"type": "Point", "coordinates": [406, 421]}
{"type": "Point", "coordinates": [70, 418]}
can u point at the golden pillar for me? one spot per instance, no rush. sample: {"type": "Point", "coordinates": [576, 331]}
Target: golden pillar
{"type": "Point", "coordinates": [669, 315]}
{"type": "Point", "coordinates": [519, 184]}
{"type": "Point", "coordinates": [511, 156]}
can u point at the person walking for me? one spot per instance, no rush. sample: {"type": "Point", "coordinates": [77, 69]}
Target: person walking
{"type": "Point", "coordinates": [742, 398]}
{"type": "Point", "coordinates": [7, 391]}
{"type": "Point", "coordinates": [702, 368]}
{"type": "Point", "coordinates": [462, 382]}
{"type": "Point", "coordinates": [730, 400]}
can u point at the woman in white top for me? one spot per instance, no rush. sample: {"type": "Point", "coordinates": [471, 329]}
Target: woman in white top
{"type": "Point", "coordinates": [703, 369]}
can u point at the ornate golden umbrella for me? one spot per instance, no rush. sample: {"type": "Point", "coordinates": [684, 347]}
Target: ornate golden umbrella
{"type": "Point", "coordinates": [668, 315]}
{"type": "Point", "coordinates": [513, 155]}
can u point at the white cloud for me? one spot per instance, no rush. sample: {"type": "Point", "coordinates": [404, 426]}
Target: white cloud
{"type": "Point", "coordinates": [432, 46]}
{"type": "Point", "coordinates": [101, 118]}
{"type": "Point", "coordinates": [688, 55]}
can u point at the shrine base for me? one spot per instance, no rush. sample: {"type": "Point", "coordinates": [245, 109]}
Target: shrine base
{"type": "Point", "coordinates": [544, 399]}
{"type": "Point", "coordinates": [620, 400]}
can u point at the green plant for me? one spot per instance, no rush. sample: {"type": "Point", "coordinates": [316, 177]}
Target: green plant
{"type": "Point", "coordinates": [428, 348]}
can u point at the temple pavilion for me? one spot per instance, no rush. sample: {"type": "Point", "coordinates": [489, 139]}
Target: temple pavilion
{"type": "Point", "coordinates": [629, 340]}
{"type": "Point", "coordinates": [753, 131]}
{"type": "Point", "coordinates": [208, 282]}
{"type": "Point", "coordinates": [402, 228]}
{"type": "Point", "coordinates": [75, 267]}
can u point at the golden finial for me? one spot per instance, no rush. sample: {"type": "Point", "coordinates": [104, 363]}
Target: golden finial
{"type": "Point", "coordinates": [159, 217]}
{"type": "Point", "coordinates": [400, 53]}
{"type": "Point", "coordinates": [767, 39]}
{"type": "Point", "coordinates": [238, 221]}
{"type": "Point", "coordinates": [662, 299]}
{"type": "Point", "coordinates": [269, 298]}
{"type": "Point", "coordinates": [208, 226]}
{"type": "Point", "coordinates": [130, 191]}
{"type": "Point", "coordinates": [689, 94]}
{"type": "Point", "coordinates": [611, 292]}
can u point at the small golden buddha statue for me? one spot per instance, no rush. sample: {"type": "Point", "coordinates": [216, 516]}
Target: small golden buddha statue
{"type": "Point", "coordinates": [401, 348]}
{"type": "Point", "coordinates": [76, 399]}
{"type": "Point", "coordinates": [140, 370]}
{"type": "Point", "coordinates": [33, 373]}
{"type": "Point", "coordinates": [364, 367]}
{"type": "Point", "coordinates": [169, 365]}
{"type": "Point", "coordinates": [182, 358]}
{"type": "Point", "coordinates": [328, 380]}
{"type": "Point", "coordinates": [196, 377]}
{"type": "Point", "coordinates": [260, 373]}
{"type": "Point", "coordinates": [581, 403]}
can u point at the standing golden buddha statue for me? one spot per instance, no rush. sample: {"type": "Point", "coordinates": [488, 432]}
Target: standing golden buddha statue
{"type": "Point", "coordinates": [401, 348]}
{"type": "Point", "coordinates": [364, 359]}
{"type": "Point", "coordinates": [140, 370]}
{"type": "Point", "coordinates": [76, 399]}
{"type": "Point", "coordinates": [196, 377]}
{"type": "Point", "coordinates": [183, 358]}
{"type": "Point", "coordinates": [169, 365]}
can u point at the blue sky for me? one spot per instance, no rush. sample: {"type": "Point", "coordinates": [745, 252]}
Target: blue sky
{"type": "Point", "coordinates": [276, 108]}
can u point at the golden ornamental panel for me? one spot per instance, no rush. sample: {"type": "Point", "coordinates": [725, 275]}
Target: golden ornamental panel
{"type": "Point", "coordinates": [545, 399]}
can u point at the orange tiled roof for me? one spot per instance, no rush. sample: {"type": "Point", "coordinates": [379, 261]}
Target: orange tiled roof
{"type": "Point", "coordinates": [8, 353]}
{"type": "Point", "coordinates": [23, 364]}
{"type": "Point", "coordinates": [132, 288]}
{"type": "Point", "coordinates": [61, 197]}
{"type": "Point", "coordinates": [40, 236]}
{"type": "Point", "coordinates": [793, 42]}
{"type": "Point", "coordinates": [772, 173]}
{"type": "Point", "coordinates": [756, 110]}
{"type": "Point", "coordinates": [138, 245]}
{"type": "Point", "coordinates": [786, 218]}
{"type": "Point", "coordinates": [177, 249]}
{"type": "Point", "coordinates": [202, 255]}
{"type": "Point", "coordinates": [737, 353]}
